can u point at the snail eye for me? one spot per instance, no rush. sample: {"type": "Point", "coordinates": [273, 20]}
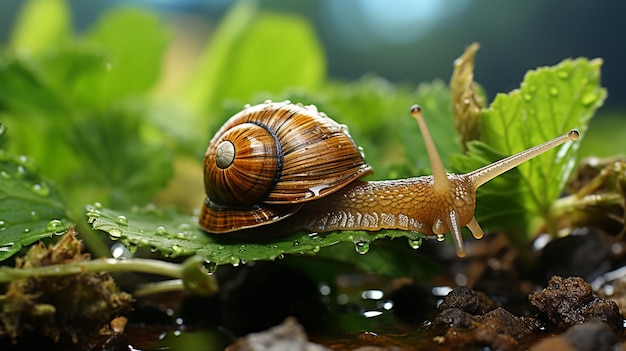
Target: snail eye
{"type": "Point", "coordinates": [225, 154]}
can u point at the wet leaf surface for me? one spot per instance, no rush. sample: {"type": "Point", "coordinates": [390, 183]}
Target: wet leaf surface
{"type": "Point", "coordinates": [30, 207]}
{"type": "Point", "coordinates": [175, 234]}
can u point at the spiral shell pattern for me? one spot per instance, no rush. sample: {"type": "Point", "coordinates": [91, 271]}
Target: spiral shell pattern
{"type": "Point", "coordinates": [268, 159]}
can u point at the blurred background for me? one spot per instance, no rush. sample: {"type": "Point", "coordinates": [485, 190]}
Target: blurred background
{"type": "Point", "coordinates": [413, 41]}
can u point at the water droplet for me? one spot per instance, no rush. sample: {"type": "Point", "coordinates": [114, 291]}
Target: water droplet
{"type": "Point", "coordinates": [362, 247]}
{"type": "Point", "coordinates": [97, 206]}
{"type": "Point", "coordinates": [532, 88]}
{"type": "Point", "coordinates": [41, 189]}
{"type": "Point", "coordinates": [184, 226]}
{"type": "Point", "coordinates": [115, 233]}
{"type": "Point", "coordinates": [242, 248]}
{"type": "Point", "coordinates": [554, 91]}
{"type": "Point", "coordinates": [160, 230]}
{"type": "Point", "coordinates": [296, 243]}
{"type": "Point", "coordinates": [441, 237]}
{"type": "Point", "coordinates": [234, 261]}
{"type": "Point", "coordinates": [210, 267]}
{"type": "Point", "coordinates": [26, 230]}
{"type": "Point", "coordinates": [6, 247]}
{"type": "Point", "coordinates": [527, 96]}
{"type": "Point", "coordinates": [121, 220]}
{"type": "Point", "coordinates": [415, 243]}
{"type": "Point", "coordinates": [316, 249]}
{"type": "Point", "coordinates": [221, 247]}
{"type": "Point", "coordinates": [132, 248]}
{"type": "Point", "coordinates": [177, 249]}
{"type": "Point", "coordinates": [3, 224]}
{"type": "Point", "coordinates": [5, 175]}
{"type": "Point", "coordinates": [55, 226]}
{"type": "Point", "coordinates": [589, 99]}
{"type": "Point", "coordinates": [562, 74]}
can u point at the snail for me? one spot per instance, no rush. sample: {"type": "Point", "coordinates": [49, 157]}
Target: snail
{"type": "Point", "coordinates": [278, 167]}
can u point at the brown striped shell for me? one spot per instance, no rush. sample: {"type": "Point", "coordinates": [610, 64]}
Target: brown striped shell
{"type": "Point", "coordinates": [268, 159]}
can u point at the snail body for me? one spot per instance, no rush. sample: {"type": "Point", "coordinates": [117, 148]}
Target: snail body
{"type": "Point", "coordinates": [275, 168]}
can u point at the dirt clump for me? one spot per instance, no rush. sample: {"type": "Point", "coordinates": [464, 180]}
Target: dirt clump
{"type": "Point", "coordinates": [570, 301]}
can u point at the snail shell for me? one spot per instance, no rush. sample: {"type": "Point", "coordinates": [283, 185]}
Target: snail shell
{"type": "Point", "coordinates": [268, 159]}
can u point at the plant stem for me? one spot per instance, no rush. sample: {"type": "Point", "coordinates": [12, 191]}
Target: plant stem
{"type": "Point", "coordinates": [8, 274]}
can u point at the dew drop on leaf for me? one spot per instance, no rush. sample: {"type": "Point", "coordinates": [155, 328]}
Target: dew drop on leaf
{"type": "Point", "coordinates": [184, 227]}
{"type": "Point", "coordinates": [161, 230]}
{"type": "Point", "coordinates": [6, 247]}
{"type": "Point", "coordinates": [115, 233]}
{"type": "Point", "coordinates": [210, 267]}
{"type": "Point", "coordinates": [563, 74]}
{"type": "Point", "coordinates": [5, 175]}
{"type": "Point", "coordinates": [440, 237]}
{"type": "Point", "coordinates": [121, 220]}
{"type": "Point", "coordinates": [554, 91]}
{"type": "Point", "coordinates": [41, 189]}
{"type": "Point", "coordinates": [415, 243]}
{"type": "Point", "coordinates": [55, 226]}
{"type": "Point", "coordinates": [362, 247]}
{"type": "Point", "coordinates": [132, 248]}
{"type": "Point", "coordinates": [177, 249]}
{"type": "Point", "coordinates": [234, 261]}
{"type": "Point", "coordinates": [3, 224]}
{"type": "Point", "coordinates": [589, 99]}
{"type": "Point", "coordinates": [527, 97]}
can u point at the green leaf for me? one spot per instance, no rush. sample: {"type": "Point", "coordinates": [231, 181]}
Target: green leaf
{"type": "Point", "coordinates": [119, 164]}
{"type": "Point", "coordinates": [175, 234]}
{"type": "Point", "coordinates": [30, 207]}
{"type": "Point", "coordinates": [40, 25]}
{"type": "Point", "coordinates": [134, 42]}
{"type": "Point", "coordinates": [253, 52]}
{"type": "Point", "coordinates": [550, 102]}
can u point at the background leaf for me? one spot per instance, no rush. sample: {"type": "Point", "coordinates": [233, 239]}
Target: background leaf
{"type": "Point", "coordinates": [550, 102]}
{"type": "Point", "coordinates": [83, 101]}
{"type": "Point", "coordinates": [30, 207]}
{"type": "Point", "coordinates": [41, 24]}
{"type": "Point", "coordinates": [255, 52]}
{"type": "Point", "coordinates": [134, 42]}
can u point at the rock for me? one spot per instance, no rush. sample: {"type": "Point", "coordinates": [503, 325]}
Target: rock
{"type": "Point", "coordinates": [287, 336]}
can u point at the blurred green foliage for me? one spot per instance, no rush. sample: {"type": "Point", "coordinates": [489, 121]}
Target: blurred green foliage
{"type": "Point", "coordinates": [84, 107]}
